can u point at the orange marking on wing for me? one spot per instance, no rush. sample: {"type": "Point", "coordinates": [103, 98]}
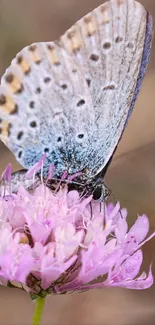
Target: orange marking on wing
{"type": "Point", "coordinates": [23, 64]}
{"type": "Point", "coordinates": [15, 84]}
{"type": "Point", "coordinates": [8, 105]}
{"type": "Point", "coordinates": [53, 55]}
{"type": "Point", "coordinates": [35, 55]}
{"type": "Point", "coordinates": [74, 40]}
{"type": "Point", "coordinates": [91, 26]}
{"type": "Point", "coordinates": [5, 132]}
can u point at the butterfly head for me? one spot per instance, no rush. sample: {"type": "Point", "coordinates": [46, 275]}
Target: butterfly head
{"type": "Point", "coordinates": [101, 192]}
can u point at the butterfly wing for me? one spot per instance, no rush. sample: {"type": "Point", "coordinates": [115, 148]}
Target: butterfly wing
{"type": "Point", "coordinates": [72, 98]}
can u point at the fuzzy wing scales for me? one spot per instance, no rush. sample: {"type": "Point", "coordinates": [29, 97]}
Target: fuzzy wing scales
{"type": "Point", "coordinates": [71, 98]}
{"type": "Point", "coordinates": [113, 39]}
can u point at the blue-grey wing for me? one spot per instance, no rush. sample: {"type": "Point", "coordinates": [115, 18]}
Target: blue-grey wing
{"type": "Point", "coordinates": [72, 98]}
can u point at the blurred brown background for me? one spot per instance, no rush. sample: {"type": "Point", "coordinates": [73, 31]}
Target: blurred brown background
{"type": "Point", "coordinates": [131, 175]}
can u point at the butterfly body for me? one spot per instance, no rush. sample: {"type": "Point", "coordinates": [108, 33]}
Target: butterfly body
{"type": "Point", "coordinates": [72, 98]}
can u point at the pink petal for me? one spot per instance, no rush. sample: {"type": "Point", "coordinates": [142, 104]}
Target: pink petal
{"type": "Point", "coordinates": [52, 273]}
{"type": "Point", "coordinates": [26, 264]}
{"type": "Point", "coordinates": [86, 276]}
{"type": "Point", "coordinates": [130, 267]}
{"type": "Point", "coordinates": [140, 228]}
{"type": "Point", "coordinates": [6, 175]}
{"type": "Point", "coordinates": [50, 171]}
{"type": "Point", "coordinates": [121, 229]}
{"type": "Point", "coordinates": [39, 232]}
{"type": "Point", "coordinates": [70, 178]}
{"type": "Point", "coordinates": [138, 284]}
{"type": "Point", "coordinates": [37, 167]}
{"type": "Point", "coordinates": [114, 212]}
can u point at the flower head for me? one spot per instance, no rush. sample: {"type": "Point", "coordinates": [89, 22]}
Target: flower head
{"type": "Point", "coordinates": [57, 242]}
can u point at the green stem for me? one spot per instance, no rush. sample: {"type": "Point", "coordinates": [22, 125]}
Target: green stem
{"type": "Point", "coordinates": [38, 310]}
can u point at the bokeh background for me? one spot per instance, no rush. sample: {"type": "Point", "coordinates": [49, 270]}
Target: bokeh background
{"type": "Point", "coordinates": [131, 175]}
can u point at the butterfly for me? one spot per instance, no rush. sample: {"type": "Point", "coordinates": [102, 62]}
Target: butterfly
{"type": "Point", "coordinates": [72, 98]}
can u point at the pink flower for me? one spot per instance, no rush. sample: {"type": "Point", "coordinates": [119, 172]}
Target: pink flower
{"type": "Point", "coordinates": [57, 241]}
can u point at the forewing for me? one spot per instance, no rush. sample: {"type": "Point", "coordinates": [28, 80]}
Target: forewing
{"type": "Point", "coordinates": [117, 39]}
{"type": "Point", "coordinates": [71, 98]}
